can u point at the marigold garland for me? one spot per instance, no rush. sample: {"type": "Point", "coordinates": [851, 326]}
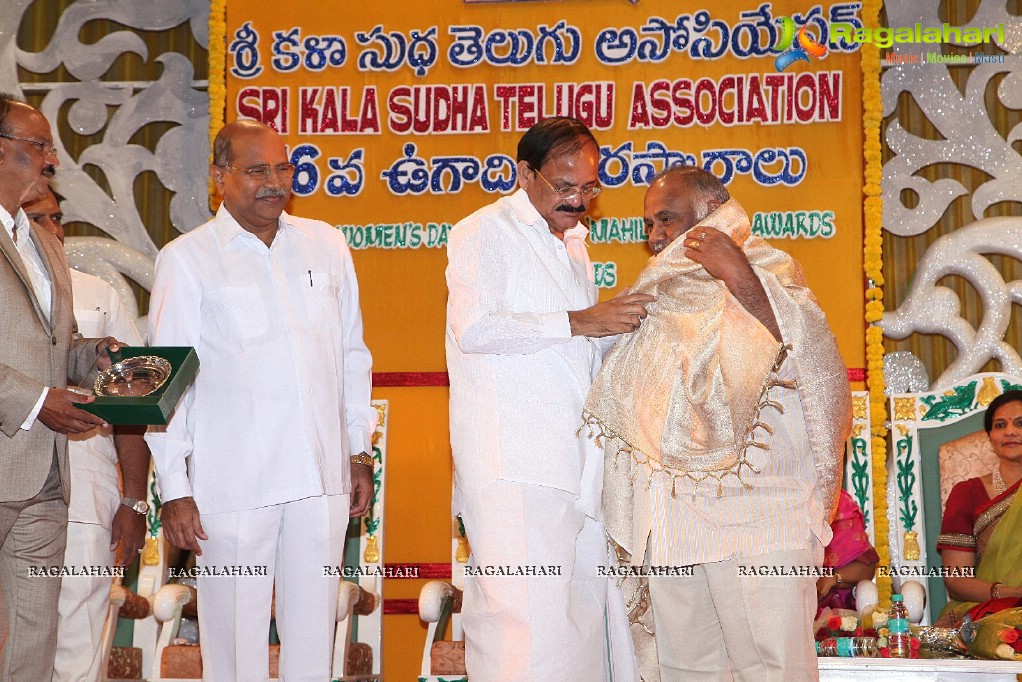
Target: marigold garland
{"type": "Point", "coordinates": [217, 75]}
{"type": "Point", "coordinates": [873, 265]}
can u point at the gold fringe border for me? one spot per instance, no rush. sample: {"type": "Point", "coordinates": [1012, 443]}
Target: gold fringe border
{"type": "Point", "coordinates": [600, 432]}
{"type": "Point", "coordinates": [869, 56]}
{"type": "Point", "coordinates": [217, 77]}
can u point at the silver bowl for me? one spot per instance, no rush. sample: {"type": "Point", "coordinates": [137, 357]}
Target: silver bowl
{"type": "Point", "coordinates": [133, 377]}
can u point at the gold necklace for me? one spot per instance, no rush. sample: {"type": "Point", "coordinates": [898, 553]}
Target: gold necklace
{"type": "Point", "coordinates": [998, 481]}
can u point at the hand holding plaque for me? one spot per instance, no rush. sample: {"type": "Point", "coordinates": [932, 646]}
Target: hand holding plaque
{"type": "Point", "coordinates": [144, 385]}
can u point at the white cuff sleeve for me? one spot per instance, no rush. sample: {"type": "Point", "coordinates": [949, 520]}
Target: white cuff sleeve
{"type": "Point", "coordinates": [170, 459]}
{"type": "Point", "coordinates": [30, 420]}
{"type": "Point", "coordinates": [554, 326]}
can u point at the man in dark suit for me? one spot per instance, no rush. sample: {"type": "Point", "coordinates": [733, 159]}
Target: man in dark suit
{"type": "Point", "coordinates": [39, 353]}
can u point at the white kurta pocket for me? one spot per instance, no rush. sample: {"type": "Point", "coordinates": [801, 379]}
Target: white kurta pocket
{"type": "Point", "coordinates": [241, 311]}
{"type": "Point", "coordinates": [321, 302]}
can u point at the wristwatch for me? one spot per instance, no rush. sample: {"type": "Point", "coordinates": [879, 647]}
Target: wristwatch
{"type": "Point", "coordinates": [362, 458]}
{"type": "Point", "coordinates": [137, 506]}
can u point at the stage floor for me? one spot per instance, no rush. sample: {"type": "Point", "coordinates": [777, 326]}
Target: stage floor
{"type": "Point", "coordinates": [919, 669]}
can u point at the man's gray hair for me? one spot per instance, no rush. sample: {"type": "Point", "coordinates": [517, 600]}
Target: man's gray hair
{"type": "Point", "coordinates": [223, 155]}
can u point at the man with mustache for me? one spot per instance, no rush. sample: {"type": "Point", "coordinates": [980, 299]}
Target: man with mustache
{"type": "Point", "coordinates": [102, 526]}
{"type": "Point", "coordinates": [524, 340]}
{"type": "Point", "coordinates": [38, 356]}
{"type": "Point", "coordinates": [724, 420]}
{"type": "Point", "coordinates": [266, 455]}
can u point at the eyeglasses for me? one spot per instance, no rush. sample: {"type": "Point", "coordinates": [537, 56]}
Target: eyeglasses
{"type": "Point", "coordinates": [571, 193]}
{"type": "Point", "coordinates": [262, 172]}
{"type": "Point", "coordinates": [46, 148]}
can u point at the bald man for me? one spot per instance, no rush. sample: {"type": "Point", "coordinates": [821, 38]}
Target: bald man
{"type": "Point", "coordinates": [102, 526]}
{"type": "Point", "coordinates": [726, 461]}
{"type": "Point", "coordinates": [38, 354]}
{"type": "Point", "coordinates": [266, 456]}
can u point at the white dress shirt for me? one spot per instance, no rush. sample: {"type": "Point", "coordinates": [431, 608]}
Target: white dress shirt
{"type": "Point", "coordinates": [518, 377]}
{"type": "Point", "coordinates": [37, 275]}
{"type": "Point", "coordinates": [30, 257]}
{"type": "Point", "coordinates": [93, 457]}
{"type": "Point", "coordinates": [282, 396]}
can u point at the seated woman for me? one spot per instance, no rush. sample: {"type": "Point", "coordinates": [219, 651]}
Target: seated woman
{"type": "Point", "coordinates": [982, 526]}
{"type": "Point", "coordinates": [849, 554]}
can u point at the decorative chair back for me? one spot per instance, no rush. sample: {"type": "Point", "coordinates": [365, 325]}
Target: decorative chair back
{"type": "Point", "coordinates": [964, 458]}
{"type": "Point", "coordinates": [359, 634]}
{"type": "Point", "coordinates": [858, 474]}
{"type": "Point", "coordinates": [152, 575]}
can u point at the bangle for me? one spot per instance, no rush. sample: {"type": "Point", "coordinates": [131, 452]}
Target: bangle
{"type": "Point", "coordinates": [837, 577]}
{"type": "Point", "coordinates": [362, 458]}
{"type": "Point", "coordinates": [995, 590]}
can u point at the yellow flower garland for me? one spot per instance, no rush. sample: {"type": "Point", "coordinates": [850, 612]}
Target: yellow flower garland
{"type": "Point", "coordinates": [217, 75]}
{"type": "Point", "coordinates": [873, 265]}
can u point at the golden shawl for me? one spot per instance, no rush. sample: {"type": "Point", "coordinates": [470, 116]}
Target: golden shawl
{"type": "Point", "coordinates": [683, 393]}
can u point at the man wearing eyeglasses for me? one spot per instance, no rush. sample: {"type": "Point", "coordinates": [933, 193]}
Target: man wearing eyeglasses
{"type": "Point", "coordinates": [38, 354]}
{"type": "Point", "coordinates": [525, 336]}
{"type": "Point", "coordinates": [266, 456]}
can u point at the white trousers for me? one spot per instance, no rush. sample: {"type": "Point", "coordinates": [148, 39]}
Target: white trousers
{"type": "Point", "coordinates": [84, 605]}
{"type": "Point", "coordinates": [294, 541]}
{"type": "Point", "coordinates": [720, 625]}
{"type": "Point", "coordinates": [544, 627]}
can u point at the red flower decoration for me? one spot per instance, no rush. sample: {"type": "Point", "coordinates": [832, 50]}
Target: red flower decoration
{"type": "Point", "coordinates": [885, 652]}
{"type": "Point", "coordinates": [870, 632]}
{"type": "Point", "coordinates": [858, 631]}
{"type": "Point", "coordinates": [822, 634]}
{"type": "Point", "coordinates": [1017, 646]}
{"type": "Point", "coordinates": [834, 623]}
{"type": "Point", "coordinates": [1008, 635]}
{"type": "Point", "coordinates": [914, 643]}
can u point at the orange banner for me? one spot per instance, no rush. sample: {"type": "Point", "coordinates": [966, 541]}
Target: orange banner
{"type": "Point", "coordinates": [403, 118]}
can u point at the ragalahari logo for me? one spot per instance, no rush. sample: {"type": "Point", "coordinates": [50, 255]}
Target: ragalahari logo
{"type": "Point", "coordinates": [799, 46]}
{"type": "Point", "coordinates": [796, 47]}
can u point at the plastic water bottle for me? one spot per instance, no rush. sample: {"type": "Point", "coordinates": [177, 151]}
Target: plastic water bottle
{"type": "Point", "coordinates": [899, 640]}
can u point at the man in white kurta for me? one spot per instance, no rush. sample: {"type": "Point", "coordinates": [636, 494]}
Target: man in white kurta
{"type": "Point", "coordinates": [100, 522]}
{"type": "Point", "coordinates": [258, 463]}
{"type": "Point", "coordinates": [522, 348]}
{"type": "Point", "coordinates": [724, 421]}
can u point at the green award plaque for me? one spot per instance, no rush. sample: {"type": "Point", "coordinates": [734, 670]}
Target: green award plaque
{"type": "Point", "coordinates": [155, 407]}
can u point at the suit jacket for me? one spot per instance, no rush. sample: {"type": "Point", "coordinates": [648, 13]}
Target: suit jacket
{"type": "Point", "coordinates": [518, 377]}
{"type": "Point", "coordinates": [34, 353]}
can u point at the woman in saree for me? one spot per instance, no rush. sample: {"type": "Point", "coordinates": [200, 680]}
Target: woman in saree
{"type": "Point", "coordinates": [849, 553]}
{"type": "Point", "coordinates": [982, 525]}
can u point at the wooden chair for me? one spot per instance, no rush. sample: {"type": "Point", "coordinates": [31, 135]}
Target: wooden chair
{"type": "Point", "coordinates": [122, 663]}
{"type": "Point", "coordinates": [439, 605]}
{"type": "Point", "coordinates": [135, 661]}
{"type": "Point", "coordinates": [936, 445]}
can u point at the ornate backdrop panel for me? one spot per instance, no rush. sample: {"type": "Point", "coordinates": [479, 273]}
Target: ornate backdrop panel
{"type": "Point", "coordinates": [952, 191]}
{"type": "Point", "coordinates": [124, 85]}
